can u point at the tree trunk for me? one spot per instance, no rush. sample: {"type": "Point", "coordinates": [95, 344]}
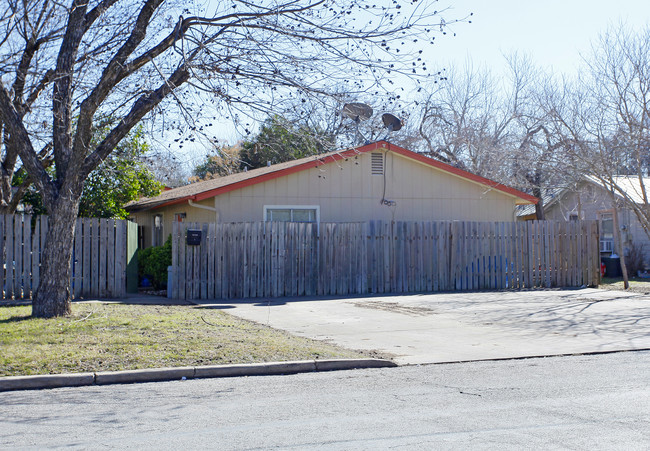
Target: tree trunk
{"type": "Point", "coordinates": [52, 297]}
{"type": "Point", "coordinates": [539, 206]}
{"type": "Point", "coordinates": [619, 245]}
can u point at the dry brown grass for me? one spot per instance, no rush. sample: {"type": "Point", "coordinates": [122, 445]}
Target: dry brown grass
{"type": "Point", "coordinates": [108, 337]}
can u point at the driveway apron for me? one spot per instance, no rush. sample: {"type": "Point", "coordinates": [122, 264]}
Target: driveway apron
{"type": "Point", "coordinates": [452, 327]}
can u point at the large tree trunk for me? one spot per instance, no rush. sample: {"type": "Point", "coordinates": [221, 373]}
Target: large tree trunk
{"type": "Point", "coordinates": [52, 297]}
{"type": "Point", "coordinates": [619, 245]}
{"type": "Point", "coordinates": [539, 206]}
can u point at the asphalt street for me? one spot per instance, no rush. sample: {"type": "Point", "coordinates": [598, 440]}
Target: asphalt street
{"type": "Point", "coordinates": [572, 402]}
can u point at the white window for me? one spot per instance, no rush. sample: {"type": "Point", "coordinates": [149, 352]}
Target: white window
{"type": "Point", "coordinates": [606, 232]}
{"type": "Point", "coordinates": [292, 213]}
{"type": "Point", "coordinates": [157, 235]}
{"type": "Point", "coordinates": [606, 246]}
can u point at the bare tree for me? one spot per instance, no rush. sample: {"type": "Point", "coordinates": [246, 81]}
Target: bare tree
{"type": "Point", "coordinates": [462, 122]}
{"type": "Point", "coordinates": [27, 29]}
{"type": "Point", "coordinates": [493, 126]}
{"type": "Point", "coordinates": [619, 86]}
{"type": "Point", "coordinates": [136, 59]}
{"type": "Point", "coordinates": [539, 153]}
{"type": "Point", "coordinates": [605, 122]}
{"type": "Point", "coordinates": [323, 119]}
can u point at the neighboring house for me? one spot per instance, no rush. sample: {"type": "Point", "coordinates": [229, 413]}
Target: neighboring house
{"type": "Point", "coordinates": [590, 200]}
{"type": "Point", "coordinates": [377, 181]}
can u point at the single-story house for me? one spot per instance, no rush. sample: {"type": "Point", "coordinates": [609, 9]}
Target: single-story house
{"type": "Point", "coordinates": [378, 181]}
{"type": "Point", "coordinates": [588, 199]}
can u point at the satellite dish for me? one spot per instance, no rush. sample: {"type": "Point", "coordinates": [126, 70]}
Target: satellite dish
{"type": "Point", "coordinates": [357, 111]}
{"type": "Point", "coordinates": [392, 123]}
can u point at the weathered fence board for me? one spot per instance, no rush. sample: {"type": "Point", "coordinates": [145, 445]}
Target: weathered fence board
{"type": "Point", "coordinates": [3, 254]}
{"type": "Point", "coordinates": [9, 260]}
{"type": "Point", "coordinates": [98, 258]}
{"type": "Point", "coordinates": [77, 260]}
{"type": "Point", "coordinates": [273, 259]}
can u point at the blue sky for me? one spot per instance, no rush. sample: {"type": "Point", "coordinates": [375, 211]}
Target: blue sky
{"type": "Point", "coordinates": [553, 32]}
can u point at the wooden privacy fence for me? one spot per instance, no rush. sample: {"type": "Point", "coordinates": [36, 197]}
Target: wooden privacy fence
{"type": "Point", "coordinates": [99, 258]}
{"type": "Point", "coordinates": [272, 259]}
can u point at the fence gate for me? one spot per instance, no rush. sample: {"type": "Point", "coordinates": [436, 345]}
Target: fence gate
{"type": "Point", "coordinates": [272, 259]}
{"type": "Point", "coordinates": [99, 257]}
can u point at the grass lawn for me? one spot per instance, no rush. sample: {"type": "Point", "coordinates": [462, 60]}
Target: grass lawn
{"type": "Point", "coordinates": [637, 285]}
{"type": "Point", "coordinates": [109, 337]}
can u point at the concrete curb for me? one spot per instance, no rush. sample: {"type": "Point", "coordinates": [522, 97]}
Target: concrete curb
{"type": "Point", "coordinates": [148, 375]}
{"type": "Point", "coordinates": [45, 381]}
{"type": "Point", "coordinates": [10, 383]}
{"type": "Point", "coordinates": [254, 369]}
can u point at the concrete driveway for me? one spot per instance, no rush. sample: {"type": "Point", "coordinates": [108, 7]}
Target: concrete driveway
{"type": "Point", "coordinates": [452, 327]}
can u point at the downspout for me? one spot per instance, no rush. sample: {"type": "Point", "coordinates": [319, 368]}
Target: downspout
{"type": "Point", "coordinates": [216, 213]}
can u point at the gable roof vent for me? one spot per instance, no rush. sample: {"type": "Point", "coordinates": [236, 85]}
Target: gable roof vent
{"type": "Point", "coordinates": [377, 163]}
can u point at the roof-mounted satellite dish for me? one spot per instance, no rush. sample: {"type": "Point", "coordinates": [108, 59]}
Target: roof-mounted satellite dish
{"type": "Point", "coordinates": [357, 111]}
{"type": "Point", "coordinates": [392, 123]}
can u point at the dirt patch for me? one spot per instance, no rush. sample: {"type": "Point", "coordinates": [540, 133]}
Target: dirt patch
{"type": "Point", "coordinates": [395, 307]}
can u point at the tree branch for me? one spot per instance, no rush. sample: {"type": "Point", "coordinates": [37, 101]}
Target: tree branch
{"type": "Point", "coordinates": [141, 107]}
{"type": "Point", "coordinates": [63, 80]}
{"type": "Point", "coordinates": [20, 138]}
{"type": "Point", "coordinates": [111, 75]}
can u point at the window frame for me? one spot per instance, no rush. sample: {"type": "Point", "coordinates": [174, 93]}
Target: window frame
{"type": "Point", "coordinates": [154, 229]}
{"type": "Point", "coordinates": [606, 215]}
{"type": "Point", "coordinates": [316, 208]}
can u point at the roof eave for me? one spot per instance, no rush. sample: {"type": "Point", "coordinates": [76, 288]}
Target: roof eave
{"type": "Point", "coordinates": [521, 198]}
{"type": "Point", "coordinates": [317, 161]}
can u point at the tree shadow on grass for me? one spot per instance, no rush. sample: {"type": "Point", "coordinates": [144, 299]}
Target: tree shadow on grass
{"type": "Point", "coordinates": [14, 319]}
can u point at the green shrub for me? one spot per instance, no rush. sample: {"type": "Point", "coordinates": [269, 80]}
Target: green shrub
{"type": "Point", "coordinates": [153, 263]}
